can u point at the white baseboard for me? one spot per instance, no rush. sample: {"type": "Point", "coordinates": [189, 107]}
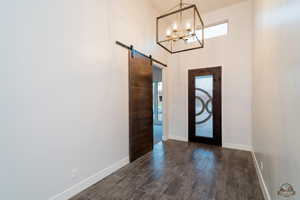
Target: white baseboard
{"type": "Point", "coordinates": [179, 138]}
{"type": "Point", "coordinates": [261, 179]}
{"type": "Point", "coordinates": [237, 146]}
{"type": "Point", "coordinates": [77, 188]}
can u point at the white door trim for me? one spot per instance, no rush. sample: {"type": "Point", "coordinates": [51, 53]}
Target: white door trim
{"type": "Point", "coordinates": [165, 101]}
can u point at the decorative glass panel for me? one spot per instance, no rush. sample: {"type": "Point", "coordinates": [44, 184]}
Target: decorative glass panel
{"type": "Point", "coordinates": [203, 106]}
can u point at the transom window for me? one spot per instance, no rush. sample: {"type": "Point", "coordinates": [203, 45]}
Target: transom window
{"type": "Point", "coordinates": [211, 32]}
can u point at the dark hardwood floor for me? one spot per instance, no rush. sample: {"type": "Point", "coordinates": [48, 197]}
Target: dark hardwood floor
{"type": "Point", "coordinates": [181, 171]}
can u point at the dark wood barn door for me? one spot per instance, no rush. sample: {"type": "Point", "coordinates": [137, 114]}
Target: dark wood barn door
{"type": "Point", "coordinates": [205, 105]}
{"type": "Point", "coordinates": [140, 105]}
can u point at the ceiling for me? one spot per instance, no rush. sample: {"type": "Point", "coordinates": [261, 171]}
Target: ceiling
{"type": "Point", "coordinates": [203, 6]}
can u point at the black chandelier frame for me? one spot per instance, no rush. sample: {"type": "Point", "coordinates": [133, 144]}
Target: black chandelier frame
{"type": "Point", "coordinates": [196, 13]}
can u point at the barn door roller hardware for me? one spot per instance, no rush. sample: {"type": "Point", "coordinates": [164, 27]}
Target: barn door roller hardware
{"type": "Point", "coordinates": [131, 49]}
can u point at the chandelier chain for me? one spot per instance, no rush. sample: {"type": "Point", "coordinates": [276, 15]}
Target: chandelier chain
{"type": "Point", "coordinates": [180, 5]}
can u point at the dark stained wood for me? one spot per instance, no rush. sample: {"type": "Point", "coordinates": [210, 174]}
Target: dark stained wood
{"type": "Point", "coordinates": [217, 105]}
{"type": "Point", "coordinates": [181, 171]}
{"type": "Point", "coordinates": [140, 105]}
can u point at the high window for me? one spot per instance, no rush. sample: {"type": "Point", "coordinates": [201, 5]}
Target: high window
{"type": "Point", "coordinates": [212, 31]}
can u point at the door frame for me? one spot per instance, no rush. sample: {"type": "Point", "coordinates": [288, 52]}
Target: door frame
{"type": "Point", "coordinates": [217, 105]}
{"type": "Point", "coordinates": [155, 102]}
{"type": "Point", "coordinates": [165, 101]}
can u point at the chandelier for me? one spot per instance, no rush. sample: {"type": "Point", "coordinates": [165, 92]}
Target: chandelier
{"type": "Point", "coordinates": [180, 29]}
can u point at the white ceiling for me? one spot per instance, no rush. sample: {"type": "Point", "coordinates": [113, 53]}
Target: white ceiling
{"type": "Point", "coordinates": [203, 6]}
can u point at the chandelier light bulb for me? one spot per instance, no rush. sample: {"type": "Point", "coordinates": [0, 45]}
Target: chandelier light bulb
{"type": "Point", "coordinates": [188, 27]}
{"type": "Point", "coordinates": [168, 33]}
{"type": "Point", "coordinates": [175, 27]}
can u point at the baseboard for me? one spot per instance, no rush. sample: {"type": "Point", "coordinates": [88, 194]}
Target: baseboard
{"type": "Point", "coordinates": [179, 138]}
{"type": "Point", "coordinates": [237, 146]}
{"type": "Point", "coordinates": [77, 188]}
{"type": "Point", "coordinates": [261, 179]}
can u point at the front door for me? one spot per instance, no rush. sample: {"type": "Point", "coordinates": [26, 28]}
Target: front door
{"type": "Point", "coordinates": [205, 105]}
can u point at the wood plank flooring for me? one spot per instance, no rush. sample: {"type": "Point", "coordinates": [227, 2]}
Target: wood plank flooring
{"type": "Point", "coordinates": [181, 171]}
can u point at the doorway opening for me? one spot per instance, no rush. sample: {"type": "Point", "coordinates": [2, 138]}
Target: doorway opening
{"type": "Point", "coordinates": [157, 84]}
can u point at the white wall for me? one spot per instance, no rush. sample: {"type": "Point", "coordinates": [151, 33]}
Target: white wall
{"type": "Point", "coordinates": [234, 53]}
{"type": "Point", "coordinates": [64, 89]}
{"type": "Point", "coordinates": [276, 92]}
